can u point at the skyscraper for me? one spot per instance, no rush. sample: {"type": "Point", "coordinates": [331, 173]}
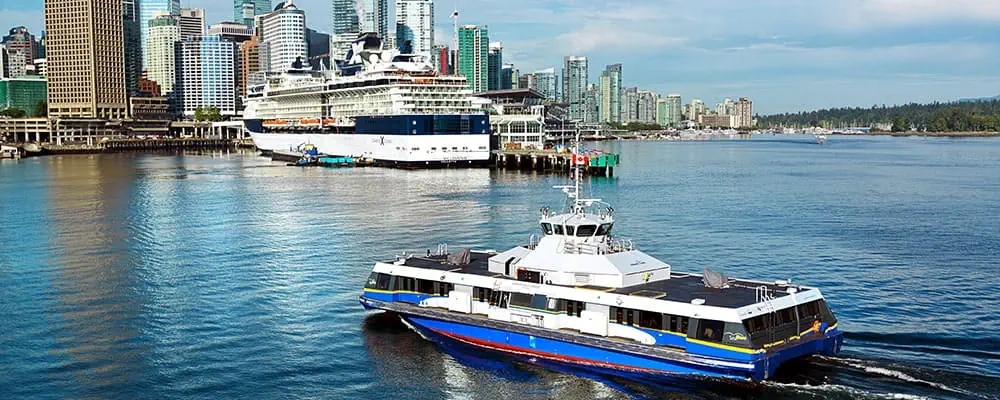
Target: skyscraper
{"type": "Point", "coordinates": [630, 105]}
{"type": "Point", "coordinates": [744, 113]}
{"type": "Point", "coordinates": [283, 38]}
{"type": "Point", "coordinates": [205, 75]}
{"type": "Point", "coordinates": [415, 22]}
{"type": "Point", "coordinates": [473, 56]}
{"type": "Point", "coordinates": [164, 31]}
{"type": "Point", "coordinates": [673, 115]}
{"type": "Point", "coordinates": [19, 39]}
{"type": "Point", "coordinates": [192, 22]}
{"type": "Point", "coordinates": [647, 107]}
{"type": "Point", "coordinates": [148, 9]}
{"type": "Point", "coordinates": [345, 27]}
{"type": "Point", "coordinates": [661, 112]}
{"type": "Point", "coordinates": [232, 31]}
{"type": "Point", "coordinates": [507, 76]}
{"type": "Point", "coordinates": [86, 58]}
{"type": "Point", "coordinates": [611, 93]}
{"type": "Point", "coordinates": [574, 83]}
{"type": "Point", "coordinates": [374, 17]}
{"type": "Point", "coordinates": [494, 66]}
{"type": "Point", "coordinates": [249, 63]}
{"type": "Point", "coordinates": [546, 83]}
{"type": "Point", "coordinates": [133, 46]}
{"type": "Point", "coordinates": [244, 11]}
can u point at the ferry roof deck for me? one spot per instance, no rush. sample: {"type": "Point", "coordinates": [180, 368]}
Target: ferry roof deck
{"type": "Point", "coordinates": [681, 287]}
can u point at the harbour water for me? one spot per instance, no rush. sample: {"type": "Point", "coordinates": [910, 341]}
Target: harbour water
{"type": "Point", "coordinates": [221, 275]}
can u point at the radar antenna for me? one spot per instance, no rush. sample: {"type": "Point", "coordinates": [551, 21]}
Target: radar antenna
{"type": "Point", "coordinates": [578, 205]}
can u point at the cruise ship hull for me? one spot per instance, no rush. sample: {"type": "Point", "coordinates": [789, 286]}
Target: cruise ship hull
{"type": "Point", "coordinates": [394, 150]}
{"type": "Point", "coordinates": [555, 347]}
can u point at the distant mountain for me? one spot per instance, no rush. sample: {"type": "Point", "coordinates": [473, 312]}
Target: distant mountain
{"type": "Point", "coordinates": [980, 99]}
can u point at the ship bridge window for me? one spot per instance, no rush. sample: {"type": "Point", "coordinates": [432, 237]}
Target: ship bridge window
{"type": "Point", "coordinates": [547, 228]}
{"type": "Point", "coordinates": [529, 276]}
{"type": "Point", "coordinates": [710, 330]}
{"type": "Point", "coordinates": [569, 230]}
{"type": "Point", "coordinates": [520, 299]}
{"type": "Point", "coordinates": [378, 281]}
{"type": "Point", "coordinates": [559, 229]}
{"type": "Point", "coordinates": [586, 230]}
{"type": "Point", "coordinates": [604, 229]}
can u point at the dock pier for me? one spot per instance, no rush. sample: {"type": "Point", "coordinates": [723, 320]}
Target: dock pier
{"type": "Point", "coordinates": [597, 164]}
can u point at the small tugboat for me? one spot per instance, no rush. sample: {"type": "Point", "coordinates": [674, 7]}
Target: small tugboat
{"type": "Point", "coordinates": [576, 295]}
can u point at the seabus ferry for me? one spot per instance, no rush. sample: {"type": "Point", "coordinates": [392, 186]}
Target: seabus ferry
{"type": "Point", "coordinates": [579, 296]}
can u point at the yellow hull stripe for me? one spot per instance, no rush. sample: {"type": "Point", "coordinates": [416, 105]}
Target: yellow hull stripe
{"type": "Point", "coordinates": [726, 347]}
{"type": "Point", "coordinates": [396, 292]}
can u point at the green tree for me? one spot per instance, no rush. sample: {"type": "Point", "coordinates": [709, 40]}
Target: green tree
{"type": "Point", "coordinates": [13, 112]}
{"type": "Point", "coordinates": [899, 125]}
{"type": "Point", "coordinates": [210, 114]}
{"type": "Point", "coordinates": [41, 109]}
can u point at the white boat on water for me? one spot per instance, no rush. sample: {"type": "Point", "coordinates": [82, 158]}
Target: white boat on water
{"type": "Point", "coordinates": [821, 139]}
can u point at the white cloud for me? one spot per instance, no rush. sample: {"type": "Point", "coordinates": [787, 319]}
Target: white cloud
{"type": "Point", "coordinates": [916, 11]}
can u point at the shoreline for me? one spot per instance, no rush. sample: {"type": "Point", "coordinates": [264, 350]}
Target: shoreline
{"type": "Point", "coordinates": [930, 134]}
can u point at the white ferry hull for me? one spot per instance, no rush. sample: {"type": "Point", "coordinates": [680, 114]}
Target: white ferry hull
{"type": "Point", "coordinates": [402, 150]}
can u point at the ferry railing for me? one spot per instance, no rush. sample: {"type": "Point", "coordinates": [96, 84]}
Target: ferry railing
{"type": "Point", "coordinates": [532, 242]}
{"type": "Point", "coordinates": [442, 249]}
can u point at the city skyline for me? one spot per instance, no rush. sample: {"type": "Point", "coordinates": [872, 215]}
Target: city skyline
{"type": "Point", "coordinates": [792, 57]}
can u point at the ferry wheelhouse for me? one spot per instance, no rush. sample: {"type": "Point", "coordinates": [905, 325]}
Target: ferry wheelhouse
{"type": "Point", "coordinates": [379, 104]}
{"type": "Point", "coordinates": [579, 296]}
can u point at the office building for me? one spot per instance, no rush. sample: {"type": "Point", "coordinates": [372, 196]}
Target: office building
{"type": "Point", "coordinates": [249, 63]}
{"type": "Point", "coordinates": [205, 75]}
{"type": "Point", "coordinates": [149, 9]}
{"type": "Point", "coordinates": [244, 11]}
{"type": "Point", "coordinates": [440, 56]}
{"type": "Point", "coordinates": [192, 22]}
{"type": "Point", "coordinates": [507, 76]}
{"type": "Point", "coordinates": [494, 65]}
{"type": "Point", "coordinates": [473, 56]}
{"type": "Point", "coordinates": [415, 23]}
{"type": "Point", "coordinates": [164, 31]}
{"type": "Point", "coordinates": [86, 71]}
{"type": "Point", "coordinates": [282, 38]}
{"type": "Point", "coordinates": [41, 67]}
{"type": "Point", "coordinates": [374, 17]}
{"type": "Point", "coordinates": [611, 94]}
{"type": "Point", "coordinates": [630, 105]}
{"type": "Point", "coordinates": [744, 113]}
{"type": "Point", "coordinates": [574, 84]}
{"type": "Point", "coordinates": [19, 39]}
{"type": "Point", "coordinates": [232, 31]}
{"type": "Point", "coordinates": [24, 93]}
{"type": "Point", "coordinates": [14, 63]}
{"type": "Point", "coordinates": [133, 46]}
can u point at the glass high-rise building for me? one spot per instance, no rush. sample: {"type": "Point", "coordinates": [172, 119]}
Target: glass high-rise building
{"type": "Point", "coordinates": [415, 23]}
{"type": "Point", "coordinates": [205, 75]}
{"type": "Point", "coordinates": [132, 31]}
{"type": "Point", "coordinates": [164, 31]}
{"type": "Point", "coordinates": [244, 11]}
{"type": "Point", "coordinates": [148, 9]}
{"type": "Point", "coordinates": [494, 67]}
{"type": "Point", "coordinates": [473, 56]}
{"type": "Point", "coordinates": [574, 84]}
{"type": "Point", "coordinates": [374, 17]}
{"type": "Point", "coordinates": [611, 94]}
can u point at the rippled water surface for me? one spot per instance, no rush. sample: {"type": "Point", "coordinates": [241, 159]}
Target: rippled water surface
{"type": "Point", "coordinates": [225, 275]}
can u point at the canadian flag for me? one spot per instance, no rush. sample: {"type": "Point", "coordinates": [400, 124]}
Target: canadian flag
{"type": "Point", "coordinates": [579, 159]}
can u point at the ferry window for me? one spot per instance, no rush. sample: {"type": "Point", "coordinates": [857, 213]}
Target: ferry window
{"type": "Point", "coordinates": [809, 310]}
{"type": "Point", "coordinates": [786, 315]}
{"type": "Point", "coordinates": [684, 325]}
{"type": "Point", "coordinates": [425, 286]}
{"type": "Point", "coordinates": [444, 288]}
{"type": "Point", "coordinates": [573, 308]}
{"type": "Point", "coordinates": [484, 295]}
{"type": "Point", "coordinates": [755, 324]}
{"type": "Point", "coordinates": [520, 299]}
{"type": "Point", "coordinates": [604, 229]}
{"type": "Point", "coordinates": [383, 281]}
{"type": "Point", "coordinates": [651, 320]}
{"type": "Point", "coordinates": [403, 283]}
{"type": "Point", "coordinates": [586, 230]}
{"type": "Point", "coordinates": [569, 230]}
{"type": "Point", "coordinates": [495, 298]}
{"type": "Point", "coordinates": [710, 330]}
{"type": "Point", "coordinates": [539, 301]}
{"type": "Point", "coordinates": [547, 228]}
{"type": "Point", "coordinates": [529, 276]}
{"type": "Point", "coordinates": [372, 280]}
{"type": "Point", "coordinates": [629, 314]}
{"type": "Point", "coordinates": [559, 229]}
{"type": "Point", "coordinates": [618, 313]}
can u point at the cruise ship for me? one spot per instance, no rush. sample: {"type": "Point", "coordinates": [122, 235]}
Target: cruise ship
{"type": "Point", "coordinates": [574, 294]}
{"type": "Point", "coordinates": [379, 104]}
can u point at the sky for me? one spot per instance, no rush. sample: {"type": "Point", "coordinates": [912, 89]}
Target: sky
{"type": "Point", "coordinates": [786, 55]}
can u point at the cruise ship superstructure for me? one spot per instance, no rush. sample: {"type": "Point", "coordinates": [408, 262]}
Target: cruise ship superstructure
{"type": "Point", "coordinates": [577, 295]}
{"type": "Point", "coordinates": [380, 104]}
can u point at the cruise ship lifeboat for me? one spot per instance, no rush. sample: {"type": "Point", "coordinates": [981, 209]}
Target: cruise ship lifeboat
{"type": "Point", "coordinates": [275, 123]}
{"type": "Point", "coordinates": [309, 122]}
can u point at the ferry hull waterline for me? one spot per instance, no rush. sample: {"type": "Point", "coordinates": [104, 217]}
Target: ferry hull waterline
{"type": "Point", "coordinates": [579, 296]}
